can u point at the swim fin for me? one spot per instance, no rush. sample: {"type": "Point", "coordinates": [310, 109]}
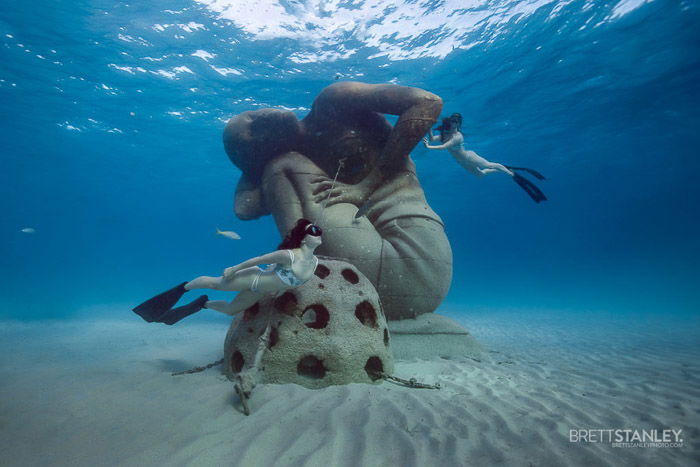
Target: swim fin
{"type": "Point", "coordinates": [529, 187]}
{"type": "Point", "coordinates": [532, 172]}
{"type": "Point", "coordinates": [176, 314]}
{"type": "Point", "coordinates": [154, 308]}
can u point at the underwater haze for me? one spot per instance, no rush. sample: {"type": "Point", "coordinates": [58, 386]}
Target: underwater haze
{"type": "Point", "coordinates": [566, 320]}
{"type": "Point", "coordinates": [113, 112]}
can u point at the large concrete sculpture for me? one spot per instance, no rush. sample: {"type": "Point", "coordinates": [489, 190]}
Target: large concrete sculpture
{"type": "Point", "coordinates": [288, 166]}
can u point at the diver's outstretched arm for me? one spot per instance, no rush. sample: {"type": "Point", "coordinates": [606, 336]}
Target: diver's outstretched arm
{"type": "Point", "coordinates": [447, 145]}
{"type": "Point", "coordinates": [278, 256]}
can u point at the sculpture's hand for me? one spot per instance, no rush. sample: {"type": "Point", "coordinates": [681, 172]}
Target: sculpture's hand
{"type": "Point", "coordinates": [425, 142]}
{"type": "Point", "coordinates": [324, 189]}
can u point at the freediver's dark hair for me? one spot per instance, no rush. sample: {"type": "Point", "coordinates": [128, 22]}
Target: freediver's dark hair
{"type": "Point", "coordinates": [453, 122]}
{"type": "Point", "coordinates": [302, 228]}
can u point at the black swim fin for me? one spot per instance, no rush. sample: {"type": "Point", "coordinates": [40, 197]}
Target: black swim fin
{"type": "Point", "coordinates": [154, 308]}
{"type": "Point", "coordinates": [176, 314]}
{"type": "Point", "coordinates": [532, 172]}
{"type": "Point", "coordinates": [531, 189]}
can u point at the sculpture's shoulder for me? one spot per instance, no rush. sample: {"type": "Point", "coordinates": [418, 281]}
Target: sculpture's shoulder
{"type": "Point", "coordinates": [343, 91]}
{"type": "Point", "coordinates": [356, 93]}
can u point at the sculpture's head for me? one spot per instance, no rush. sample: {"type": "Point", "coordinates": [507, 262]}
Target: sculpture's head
{"type": "Point", "coordinates": [303, 232]}
{"type": "Point", "coordinates": [253, 138]}
{"type": "Point", "coordinates": [358, 140]}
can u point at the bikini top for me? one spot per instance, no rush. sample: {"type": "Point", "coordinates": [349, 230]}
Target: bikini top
{"type": "Point", "coordinates": [459, 145]}
{"type": "Point", "coordinates": [287, 275]}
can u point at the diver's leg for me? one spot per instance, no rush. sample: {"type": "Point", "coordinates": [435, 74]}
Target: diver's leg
{"type": "Point", "coordinates": [204, 282]}
{"type": "Point", "coordinates": [471, 168]}
{"type": "Point", "coordinates": [491, 167]}
{"type": "Point", "coordinates": [475, 163]}
{"type": "Point", "coordinates": [242, 301]}
{"type": "Point", "coordinates": [471, 162]}
{"type": "Point", "coordinates": [218, 305]}
{"type": "Point", "coordinates": [240, 281]}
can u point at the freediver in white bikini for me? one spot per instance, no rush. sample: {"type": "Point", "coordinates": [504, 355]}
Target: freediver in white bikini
{"type": "Point", "coordinates": [290, 266]}
{"type": "Point", "coordinates": [453, 140]}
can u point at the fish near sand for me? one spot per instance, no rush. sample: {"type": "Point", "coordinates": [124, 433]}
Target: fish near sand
{"type": "Point", "coordinates": [228, 234]}
{"type": "Point", "coordinates": [28, 230]}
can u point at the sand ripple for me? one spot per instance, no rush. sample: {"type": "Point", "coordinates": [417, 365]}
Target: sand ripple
{"type": "Point", "coordinates": [102, 394]}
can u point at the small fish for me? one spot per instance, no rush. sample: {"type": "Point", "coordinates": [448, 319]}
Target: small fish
{"type": "Point", "coordinates": [228, 234]}
{"type": "Point", "coordinates": [28, 230]}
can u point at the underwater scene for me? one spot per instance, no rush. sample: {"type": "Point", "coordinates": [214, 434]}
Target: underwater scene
{"type": "Point", "coordinates": [350, 233]}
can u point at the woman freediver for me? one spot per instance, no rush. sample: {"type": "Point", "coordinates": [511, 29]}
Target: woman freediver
{"type": "Point", "coordinates": [453, 140]}
{"type": "Point", "coordinates": [291, 265]}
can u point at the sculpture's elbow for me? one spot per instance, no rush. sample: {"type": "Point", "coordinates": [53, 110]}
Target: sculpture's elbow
{"type": "Point", "coordinates": [249, 202]}
{"type": "Point", "coordinates": [432, 104]}
{"type": "Point", "coordinates": [247, 210]}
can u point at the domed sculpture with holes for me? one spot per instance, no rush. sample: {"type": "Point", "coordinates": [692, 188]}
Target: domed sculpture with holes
{"type": "Point", "coordinates": [328, 331]}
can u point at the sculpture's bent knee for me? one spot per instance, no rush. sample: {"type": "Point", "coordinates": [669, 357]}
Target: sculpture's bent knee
{"type": "Point", "coordinates": [416, 267]}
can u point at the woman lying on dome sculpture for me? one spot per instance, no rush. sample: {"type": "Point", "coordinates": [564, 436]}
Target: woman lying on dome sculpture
{"type": "Point", "coordinates": [291, 265]}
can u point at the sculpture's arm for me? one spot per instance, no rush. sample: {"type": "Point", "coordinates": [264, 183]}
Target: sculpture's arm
{"type": "Point", "coordinates": [248, 202]}
{"type": "Point", "coordinates": [252, 139]}
{"type": "Point", "coordinates": [417, 109]}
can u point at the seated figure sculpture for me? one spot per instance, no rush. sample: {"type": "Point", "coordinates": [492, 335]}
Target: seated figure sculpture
{"type": "Point", "coordinates": [375, 214]}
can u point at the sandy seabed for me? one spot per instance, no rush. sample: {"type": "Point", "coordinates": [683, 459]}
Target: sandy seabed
{"type": "Point", "coordinates": [100, 392]}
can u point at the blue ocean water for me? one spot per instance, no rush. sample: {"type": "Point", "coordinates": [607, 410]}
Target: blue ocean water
{"type": "Point", "coordinates": [112, 117]}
